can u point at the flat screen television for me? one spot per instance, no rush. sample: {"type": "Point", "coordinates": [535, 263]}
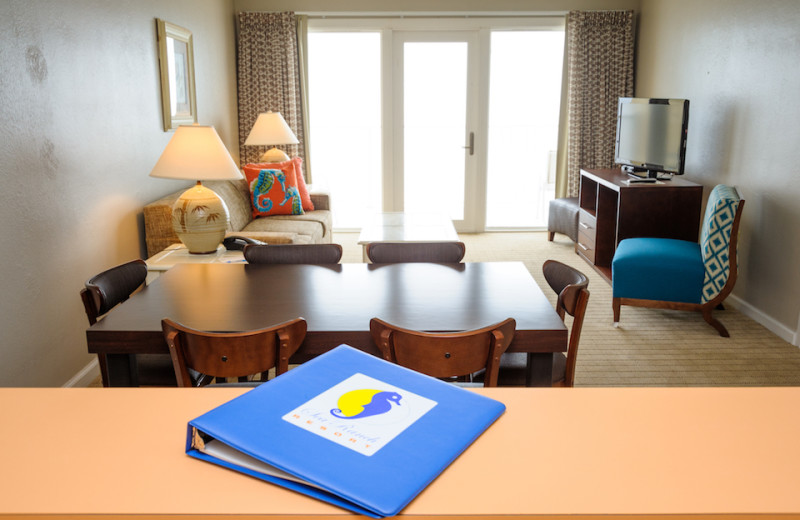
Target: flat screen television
{"type": "Point", "coordinates": [651, 136]}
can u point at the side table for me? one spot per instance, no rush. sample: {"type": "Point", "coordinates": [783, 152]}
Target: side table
{"type": "Point", "coordinates": [178, 254]}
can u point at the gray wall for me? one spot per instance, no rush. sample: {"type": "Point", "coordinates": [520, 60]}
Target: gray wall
{"type": "Point", "coordinates": [80, 130]}
{"type": "Point", "coordinates": [737, 61]}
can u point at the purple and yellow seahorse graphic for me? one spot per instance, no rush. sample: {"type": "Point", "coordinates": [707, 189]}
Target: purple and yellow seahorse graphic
{"type": "Point", "coordinates": [363, 403]}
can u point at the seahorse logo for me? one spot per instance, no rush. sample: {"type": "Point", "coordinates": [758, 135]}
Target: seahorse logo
{"type": "Point", "coordinates": [293, 195]}
{"type": "Point", "coordinates": [260, 186]}
{"type": "Point", "coordinates": [364, 403]}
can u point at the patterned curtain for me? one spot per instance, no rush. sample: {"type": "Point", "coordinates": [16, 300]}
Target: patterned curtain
{"type": "Point", "coordinates": [269, 78]}
{"type": "Point", "coordinates": [600, 69]}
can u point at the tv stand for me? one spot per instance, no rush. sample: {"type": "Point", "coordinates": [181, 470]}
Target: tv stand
{"type": "Point", "coordinates": [612, 210]}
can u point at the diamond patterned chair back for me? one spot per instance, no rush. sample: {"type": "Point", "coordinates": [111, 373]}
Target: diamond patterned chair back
{"type": "Point", "coordinates": [715, 239]}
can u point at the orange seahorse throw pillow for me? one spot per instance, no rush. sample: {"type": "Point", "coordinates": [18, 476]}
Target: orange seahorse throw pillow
{"type": "Point", "coordinates": [295, 167]}
{"type": "Point", "coordinates": [273, 191]}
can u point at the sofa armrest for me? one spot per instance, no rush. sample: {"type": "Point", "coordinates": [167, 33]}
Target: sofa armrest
{"type": "Point", "coordinates": [320, 199]}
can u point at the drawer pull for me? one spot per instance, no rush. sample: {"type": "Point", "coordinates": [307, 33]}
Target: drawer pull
{"type": "Point", "coordinates": [583, 247]}
{"type": "Point", "coordinates": [584, 225]}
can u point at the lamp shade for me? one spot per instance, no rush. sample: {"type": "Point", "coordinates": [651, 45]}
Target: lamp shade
{"type": "Point", "coordinates": [196, 152]}
{"type": "Point", "coordinates": [269, 129]}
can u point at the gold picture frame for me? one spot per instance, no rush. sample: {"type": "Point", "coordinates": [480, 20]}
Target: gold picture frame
{"type": "Point", "coordinates": [176, 63]}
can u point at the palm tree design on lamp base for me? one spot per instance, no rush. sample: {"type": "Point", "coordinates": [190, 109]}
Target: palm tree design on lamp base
{"type": "Point", "coordinates": [200, 219]}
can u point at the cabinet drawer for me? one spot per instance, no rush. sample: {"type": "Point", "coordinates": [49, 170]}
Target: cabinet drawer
{"type": "Point", "coordinates": [587, 226]}
{"type": "Point", "coordinates": [586, 245]}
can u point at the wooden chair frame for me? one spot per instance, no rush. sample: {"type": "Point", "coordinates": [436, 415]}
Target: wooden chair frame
{"type": "Point", "coordinates": [97, 302]}
{"type": "Point", "coordinates": [704, 308]}
{"type": "Point", "coordinates": [445, 355]}
{"type": "Point", "coordinates": [571, 286]}
{"type": "Point", "coordinates": [231, 354]}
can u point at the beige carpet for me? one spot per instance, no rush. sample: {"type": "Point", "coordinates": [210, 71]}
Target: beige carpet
{"type": "Point", "coordinates": [651, 347]}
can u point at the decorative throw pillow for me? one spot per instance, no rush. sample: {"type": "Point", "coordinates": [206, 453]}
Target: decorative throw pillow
{"type": "Point", "coordinates": [290, 167]}
{"type": "Point", "coordinates": [272, 192]}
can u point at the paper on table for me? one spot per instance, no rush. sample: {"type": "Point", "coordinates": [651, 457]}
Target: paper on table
{"type": "Point", "coordinates": [222, 451]}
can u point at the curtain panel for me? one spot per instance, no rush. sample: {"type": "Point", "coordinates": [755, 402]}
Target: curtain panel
{"type": "Point", "coordinates": [600, 70]}
{"type": "Point", "coordinates": [269, 77]}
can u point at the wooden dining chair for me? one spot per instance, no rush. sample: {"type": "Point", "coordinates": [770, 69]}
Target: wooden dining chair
{"type": "Point", "coordinates": [571, 287]}
{"type": "Point", "coordinates": [400, 252]}
{"type": "Point", "coordinates": [445, 355]}
{"type": "Point", "coordinates": [106, 290]}
{"type": "Point", "coordinates": [220, 355]}
{"type": "Point", "coordinates": [293, 254]}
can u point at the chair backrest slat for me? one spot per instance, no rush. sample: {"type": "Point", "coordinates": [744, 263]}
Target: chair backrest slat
{"type": "Point", "coordinates": [108, 289]}
{"type": "Point", "coordinates": [293, 254]}
{"type": "Point", "coordinates": [231, 354]}
{"type": "Point", "coordinates": [401, 252]}
{"type": "Point", "coordinates": [445, 355]}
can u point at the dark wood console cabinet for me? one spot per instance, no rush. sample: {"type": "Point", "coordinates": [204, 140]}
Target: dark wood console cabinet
{"type": "Point", "coordinates": [612, 210]}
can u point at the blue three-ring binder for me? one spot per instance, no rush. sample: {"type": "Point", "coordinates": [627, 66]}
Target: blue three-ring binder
{"type": "Point", "coordinates": [346, 427]}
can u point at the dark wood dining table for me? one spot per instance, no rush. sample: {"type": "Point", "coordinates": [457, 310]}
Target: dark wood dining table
{"type": "Point", "coordinates": [337, 301]}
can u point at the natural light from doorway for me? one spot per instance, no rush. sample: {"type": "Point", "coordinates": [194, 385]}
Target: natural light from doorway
{"type": "Point", "coordinates": [345, 120]}
{"type": "Point", "coordinates": [347, 132]}
{"type": "Point", "coordinates": [524, 104]}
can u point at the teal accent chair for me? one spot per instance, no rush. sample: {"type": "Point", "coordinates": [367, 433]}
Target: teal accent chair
{"type": "Point", "coordinates": [680, 275]}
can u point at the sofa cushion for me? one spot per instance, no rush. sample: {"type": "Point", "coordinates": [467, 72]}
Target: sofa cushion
{"type": "Point", "coordinates": [288, 224]}
{"type": "Point", "coordinates": [293, 167]}
{"type": "Point", "coordinates": [273, 192]}
{"type": "Point", "coordinates": [237, 199]}
{"type": "Point", "coordinates": [271, 237]}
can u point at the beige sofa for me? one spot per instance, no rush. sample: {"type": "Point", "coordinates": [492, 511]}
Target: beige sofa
{"type": "Point", "coordinates": [312, 227]}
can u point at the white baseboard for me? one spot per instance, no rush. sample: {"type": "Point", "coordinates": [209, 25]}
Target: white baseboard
{"type": "Point", "coordinates": [776, 328]}
{"type": "Point", "coordinates": [85, 377]}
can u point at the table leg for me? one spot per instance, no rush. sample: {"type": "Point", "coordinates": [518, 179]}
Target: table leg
{"type": "Point", "coordinates": [122, 370]}
{"type": "Point", "coordinates": [540, 369]}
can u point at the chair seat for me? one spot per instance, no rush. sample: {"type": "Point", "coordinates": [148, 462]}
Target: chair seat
{"type": "Point", "coordinates": [658, 269]}
{"type": "Point", "coordinates": [514, 365]}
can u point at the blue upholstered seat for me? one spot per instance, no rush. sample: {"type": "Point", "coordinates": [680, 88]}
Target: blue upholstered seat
{"type": "Point", "coordinates": [658, 269]}
{"type": "Point", "coordinates": [676, 274]}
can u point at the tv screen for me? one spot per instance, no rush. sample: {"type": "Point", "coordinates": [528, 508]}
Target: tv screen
{"type": "Point", "coordinates": [651, 134]}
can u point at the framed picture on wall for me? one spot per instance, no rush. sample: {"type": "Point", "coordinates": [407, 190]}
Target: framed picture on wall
{"type": "Point", "coordinates": [176, 62]}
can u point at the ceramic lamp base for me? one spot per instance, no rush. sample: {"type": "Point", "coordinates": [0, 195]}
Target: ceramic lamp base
{"type": "Point", "coordinates": [200, 219]}
{"type": "Point", "coordinates": [274, 155]}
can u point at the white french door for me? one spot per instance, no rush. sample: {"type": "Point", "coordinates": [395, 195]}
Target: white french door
{"type": "Point", "coordinates": [436, 115]}
{"type": "Point", "coordinates": [435, 107]}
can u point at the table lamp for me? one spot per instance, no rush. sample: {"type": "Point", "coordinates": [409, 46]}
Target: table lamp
{"type": "Point", "coordinates": [271, 129]}
{"type": "Point", "coordinates": [199, 217]}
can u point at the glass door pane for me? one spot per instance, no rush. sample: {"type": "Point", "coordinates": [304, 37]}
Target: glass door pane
{"type": "Point", "coordinates": [524, 103]}
{"type": "Point", "coordinates": [345, 105]}
{"type": "Point", "coordinates": [434, 115]}
{"type": "Point", "coordinates": [435, 95]}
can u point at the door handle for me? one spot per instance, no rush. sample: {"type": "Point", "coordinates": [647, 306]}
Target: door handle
{"type": "Point", "coordinates": [471, 145]}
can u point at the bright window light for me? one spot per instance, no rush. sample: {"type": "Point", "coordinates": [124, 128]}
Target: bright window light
{"type": "Point", "coordinates": [435, 80]}
{"type": "Point", "coordinates": [524, 101]}
{"type": "Point", "coordinates": [344, 70]}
